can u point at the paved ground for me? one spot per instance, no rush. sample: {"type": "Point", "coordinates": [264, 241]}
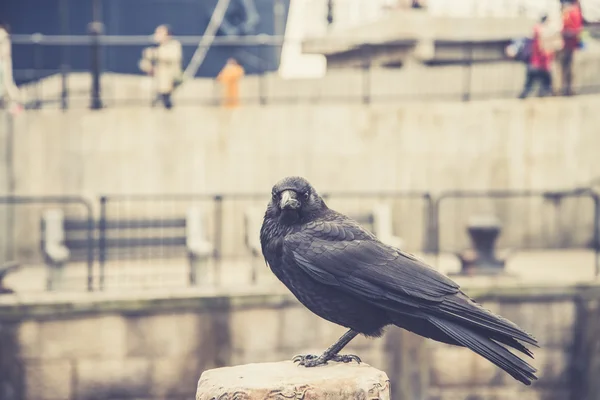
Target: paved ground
{"type": "Point", "coordinates": [531, 267]}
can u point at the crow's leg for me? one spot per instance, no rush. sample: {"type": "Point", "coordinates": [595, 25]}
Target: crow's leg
{"type": "Point", "coordinates": [331, 354]}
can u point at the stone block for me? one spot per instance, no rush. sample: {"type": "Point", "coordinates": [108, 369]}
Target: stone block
{"type": "Point", "coordinates": [102, 336]}
{"type": "Point", "coordinates": [176, 376]}
{"type": "Point", "coordinates": [287, 380]}
{"type": "Point", "coordinates": [128, 378]}
{"type": "Point", "coordinates": [166, 335]}
{"type": "Point", "coordinates": [551, 323]}
{"type": "Point", "coordinates": [484, 393]}
{"type": "Point", "coordinates": [256, 329]}
{"type": "Point", "coordinates": [459, 366]}
{"type": "Point", "coordinates": [552, 366]}
{"type": "Point", "coordinates": [48, 380]}
{"type": "Point", "coordinates": [299, 328]}
{"type": "Point", "coordinates": [29, 339]}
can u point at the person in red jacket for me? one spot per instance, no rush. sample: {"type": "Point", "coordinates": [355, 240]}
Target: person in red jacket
{"type": "Point", "coordinates": [572, 27]}
{"type": "Point", "coordinates": [540, 63]}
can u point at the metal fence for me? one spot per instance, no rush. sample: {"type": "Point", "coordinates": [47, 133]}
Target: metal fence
{"type": "Point", "coordinates": [21, 220]}
{"type": "Point", "coordinates": [143, 241]}
{"type": "Point", "coordinates": [472, 75]}
{"type": "Point", "coordinates": [531, 219]}
{"type": "Point", "coordinates": [231, 224]}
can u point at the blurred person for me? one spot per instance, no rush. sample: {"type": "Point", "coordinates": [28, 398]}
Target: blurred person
{"type": "Point", "coordinates": [539, 63]}
{"type": "Point", "coordinates": [572, 22]}
{"type": "Point", "coordinates": [230, 77]}
{"type": "Point", "coordinates": [418, 4]}
{"type": "Point", "coordinates": [163, 62]}
{"type": "Point", "coordinates": [9, 93]}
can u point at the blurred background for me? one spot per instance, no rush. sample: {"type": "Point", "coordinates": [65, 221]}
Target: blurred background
{"type": "Point", "coordinates": [140, 140]}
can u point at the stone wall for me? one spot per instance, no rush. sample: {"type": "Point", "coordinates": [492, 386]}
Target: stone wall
{"type": "Point", "coordinates": [538, 144]}
{"type": "Point", "coordinates": [124, 347]}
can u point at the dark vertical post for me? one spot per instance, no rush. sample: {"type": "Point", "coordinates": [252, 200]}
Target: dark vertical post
{"type": "Point", "coordinates": [102, 240]}
{"type": "Point", "coordinates": [64, 92]}
{"type": "Point", "coordinates": [329, 12]}
{"type": "Point", "coordinates": [264, 64]}
{"type": "Point", "coordinates": [596, 233]}
{"type": "Point", "coordinates": [366, 74]}
{"type": "Point", "coordinates": [436, 228]}
{"type": "Point", "coordinates": [218, 200]}
{"type": "Point", "coordinates": [95, 29]}
{"type": "Point", "coordinates": [279, 28]}
{"type": "Point", "coordinates": [90, 247]}
{"type": "Point", "coordinates": [38, 63]}
{"type": "Point", "coordinates": [467, 65]}
{"type": "Point", "coordinates": [429, 224]}
{"type": "Point", "coordinates": [64, 55]}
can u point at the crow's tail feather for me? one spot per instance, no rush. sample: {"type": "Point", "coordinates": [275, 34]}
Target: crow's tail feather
{"type": "Point", "coordinates": [487, 347]}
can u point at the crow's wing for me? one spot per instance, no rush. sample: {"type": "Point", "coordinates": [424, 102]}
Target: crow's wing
{"type": "Point", "coordinates": [340, 253]}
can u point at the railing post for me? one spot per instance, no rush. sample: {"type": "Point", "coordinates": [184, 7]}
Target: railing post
{"type": "Point", "coordinates": [64, 54]}
{"type": "Point", "coordinates": [428, 223]}
{"type": "Point", "coordinates": [90, 246]}
{"type": "Point", "coordinates": [596, 233]}
{"type": "Point", "coordinates": [64, 93]}
{"type": "Point", "coordinates": [218, 199]}
{"type": "Point", "coordinates": [366, 74]}
{"type": "Point", "coordinates": [435, 229]}
{"type": "Point", "coordinates": [262, 83]}
{"type": "Point", "coordinates": [38, 63]}
{"type": "Point", "coordinates": [468, 66]}
{"type": "Point", "coordinates": [102, 240]}
{"type": "Point", "coordinates": [95, 30]}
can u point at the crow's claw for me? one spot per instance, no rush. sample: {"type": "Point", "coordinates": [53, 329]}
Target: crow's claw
{"type": "Point", "coordinates": [346, 358]}
{"type": "Point", "coordinates": [309, 360]}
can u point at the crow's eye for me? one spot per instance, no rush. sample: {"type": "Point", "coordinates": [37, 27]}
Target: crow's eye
{"type": "Point", "coordinates": [306, 195]}
{"type": "Point", "coordinates": [274, 195]}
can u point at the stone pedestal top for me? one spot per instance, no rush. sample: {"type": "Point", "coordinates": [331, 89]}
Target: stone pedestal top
{"type": "Point", "coordinates": [286, 380]}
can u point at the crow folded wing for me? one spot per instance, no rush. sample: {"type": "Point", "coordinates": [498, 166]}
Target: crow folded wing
{"type": "Point", "coordinates": [344, 255]}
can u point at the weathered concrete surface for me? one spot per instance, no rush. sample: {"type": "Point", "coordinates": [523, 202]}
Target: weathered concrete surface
{"type": "Point", "coordinates": [284, 380]}
{"type": "Point", "coordinates": [403, 25]}
{"type": "Point", "coordinates": [547, 267]}
{"type": "Point", "coordinates": [408, 36]}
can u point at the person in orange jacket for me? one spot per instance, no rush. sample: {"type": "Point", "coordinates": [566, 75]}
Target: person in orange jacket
{"type": "Point", "coordinates": [230, 77]}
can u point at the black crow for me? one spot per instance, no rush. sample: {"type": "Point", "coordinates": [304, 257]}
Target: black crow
{"type": "Point", "coordinates": [342, 273]}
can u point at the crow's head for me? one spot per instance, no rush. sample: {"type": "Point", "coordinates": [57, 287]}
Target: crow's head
{"type": "Point", "coordinates": [294, 200]}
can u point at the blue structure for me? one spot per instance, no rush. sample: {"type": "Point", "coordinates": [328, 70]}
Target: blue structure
{"type": "Point", "coordinates": [140, 17]}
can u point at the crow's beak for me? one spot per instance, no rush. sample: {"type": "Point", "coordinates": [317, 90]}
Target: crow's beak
{"type": "Point", "coordinates": [289, 200]}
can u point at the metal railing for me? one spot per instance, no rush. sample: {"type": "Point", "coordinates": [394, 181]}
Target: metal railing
{"type": "Point", "coordinates": [554, 196]}
{"type": "Point", "coordinates": [471, 75]}
{"type": "Point", "coordinates": [225, 225]}
{"type": "Point", "coordinates": [61, 201]}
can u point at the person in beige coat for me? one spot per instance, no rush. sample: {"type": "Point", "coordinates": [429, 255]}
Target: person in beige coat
{"type": "Point", "coordinates": [163, 62]}
{"type": "Point", "coordinates": [9, 93]}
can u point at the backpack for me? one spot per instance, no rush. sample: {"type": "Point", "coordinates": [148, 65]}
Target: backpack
{"type": "Point", "coordinates": [524, 49]}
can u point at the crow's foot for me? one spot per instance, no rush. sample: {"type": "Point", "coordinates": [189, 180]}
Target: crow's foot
{"type": "Point", "coordinates": [346, 358]}
{"type": "Point", "coordinates": [311, 360]}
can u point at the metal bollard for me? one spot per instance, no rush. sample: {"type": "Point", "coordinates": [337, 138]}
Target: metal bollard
{"type": "Point", "coordinates": [481, 258]}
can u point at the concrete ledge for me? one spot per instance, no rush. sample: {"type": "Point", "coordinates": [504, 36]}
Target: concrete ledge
{"type": "Point", "coordinates": [290, 381]}
{"type": "Point", "coordinates": [55, 305]}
